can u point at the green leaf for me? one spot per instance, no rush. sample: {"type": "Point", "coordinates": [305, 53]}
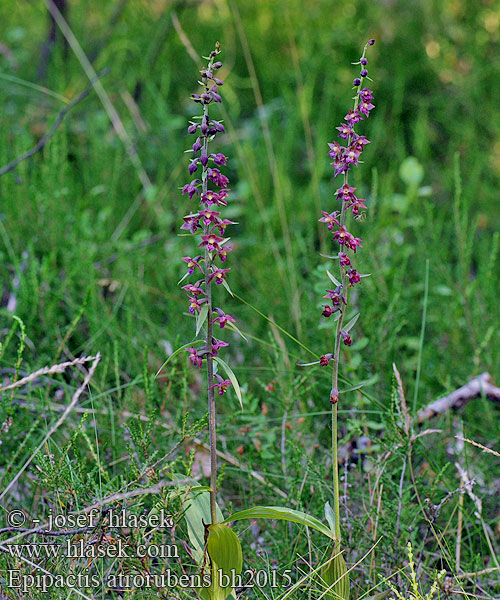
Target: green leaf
{"type": "Point", "coordinates": [333, 280]}
{"type": "Point", "coordinates": [174, 354]}
{"type": "Point", "coordinates": [336, 577]}
{"type": "Point", "coordinates": [226, 558]}
{"type": "Point", "coordinates": [330, 517]}
{"type": "Point", "coordinates": [360, 385]}
{"type": "Point", "coordinates": [182, 278]}
{"type": "Point", "coordinates": [351, 323]}
{"type": "Point", "coordinates": [233, 327]}
{"type": "Point", "coordinates": [226, 285]}
{"type": "Point", "coordinates": [197, 514]}
{"type": "Point", "coordinates": [224, 548]}
{"type": "Point", "coordinates": [336, 257]}
{"type": "Point", "coordinates": [232, 377]}
{"type": "Point", "coordinates": [283, 514]}
{"type": "Point", "coordinates": [201, 318]}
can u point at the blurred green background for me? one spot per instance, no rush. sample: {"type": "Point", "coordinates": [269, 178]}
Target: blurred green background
{"type": "Point", "coordinates": [76, 220]}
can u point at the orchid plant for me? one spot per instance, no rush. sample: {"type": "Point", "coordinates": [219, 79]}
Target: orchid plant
{"type": "Point", "coordinates": [345, 157]}
{"type": "Point", "coordinates": [210, 188]}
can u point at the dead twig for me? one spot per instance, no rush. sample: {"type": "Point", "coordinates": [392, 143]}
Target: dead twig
{"type": "Point", "coordinates": [483, 448]}
{"type": "Point", "coordinates": [474, 389]}
{"type": "Point", "coordinates": [57, 424]}
{"type": "Point", "coordinates": [60, 368]}
{"type": "Point", "coordinates": [29, 153]}
{"type": "Point", "coordinates": [154, 489]}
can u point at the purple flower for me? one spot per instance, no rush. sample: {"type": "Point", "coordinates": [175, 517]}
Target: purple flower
{"type": "Point", "coordinates": [216, 344]}
{"type": "Point", "coordinates": [216, 176]}
{"type": "Point", "coordinates": [194, 305]}
{"type": "Point", "coordinates": [211, 242]}
{"type": "Point", "coordinates": [359, 142]}
{"type": "Point", "coordinates": [336, 150]}
{"type": "Point", "coordinates": [192, 263]}
{"type": "Point", "coordinates": [352, 155]}
{"type": "Point", "coordinates": [353, 117]}
{"type": "Point", "coordinates": [330, 219]}
{"type": "Point", "coordinates": [366, 95]}
{"type": "Point", "coordinates": [340, 166]}
{"type": "Point", "coordinates": [353, 243]}
{"type": "Point", "coordinates": [353, 277]}
{"type": "Point", "coordinates": [191, 223]}
{"type": "Point", "coordinates": [345, 193]}
{"type": "Point", "coordinates": [195, 358]}
{"type": "Point", "coordinates": [191, 188]}
{"type": "Point", "coordinates": [343, 237]}
{"type": "Point", "coordinates": [211, 197]}
{"type": "Point", "coordinates": [346, 338]}
{"type": "Point", "coordinates": [219, 159]}
{"type": "Point", "coordinates": [209, 216]}
{"type": "Point", "coordinates": [364, 72]}
{"type": "Point", "coordinates": [218, 274]}
{"type": "Point", "coordinates": [222, 224]}
{"type": "Point", "coordinates": [222, 254]}
{"type": "Point", "coordinates": [335, 296]}
{"type": "Point", "coordinates": [324, 360]}
{"type": "Point", "coordinates": [366, 107]}
{"type": "Point", "coordinates": [345, 131]}
{"type": "Point", "coordinates": [196, 146]}
{"type": "Point", "coordinates": [221, 385]}
{"type": "Point", "coordinates": [328, 311]}
{"type": "Point", "coordinates": [224, 319]}
{"type": "Point", "coordinates": [214, 95]}
{"type": "Point", "coordinates": [216, 126]}
{"type": "Point", "coordinates": [356, 82]}
{"type": "Point", "coordinates": [204, 157]}
{"type": "Point", "coordinates": [345, 261]}
{"type": "Point", "coordinates": [193, 166]}
{"type": "Point", "coordinates": [194, 290]}
{"type": "Point", "coordinates": [363, 60]}
{"type": "Point", "coordinates": [356, 205]}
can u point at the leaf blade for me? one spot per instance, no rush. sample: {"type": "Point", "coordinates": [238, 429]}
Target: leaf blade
{"type": "Point", "coordinates": [232, 378]}
{"type": "Point", "coordinates": [283, 514]}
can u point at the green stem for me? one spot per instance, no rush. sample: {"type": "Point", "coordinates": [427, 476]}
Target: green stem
{"type": "Point", "coordinates": [334, 398]}
{"type": "Point", "coordinates": [212, 426]}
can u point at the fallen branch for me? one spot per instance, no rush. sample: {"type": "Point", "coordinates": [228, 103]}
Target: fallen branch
{"type": "Point", "coordinates": [477, 387]}
{"type": "Point", "coordinates": [29, 153]}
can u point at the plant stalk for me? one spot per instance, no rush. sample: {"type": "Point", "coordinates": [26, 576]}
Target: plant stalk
{"type": "Point", "coordinates": [210, 364]}
{"type": "Point", "coordinates": [336, 362]}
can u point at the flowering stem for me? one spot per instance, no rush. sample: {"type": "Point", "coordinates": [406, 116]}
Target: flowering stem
{"type": "Point", "coordinates": [210, 222]}
{"type": "Point", "coordinates": [344, 159]}
{"type": "Point", "coordinates": [210, 362]}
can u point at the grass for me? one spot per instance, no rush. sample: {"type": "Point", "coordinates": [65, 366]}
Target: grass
{"type": "Point", "coordinates": [97, 260]}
